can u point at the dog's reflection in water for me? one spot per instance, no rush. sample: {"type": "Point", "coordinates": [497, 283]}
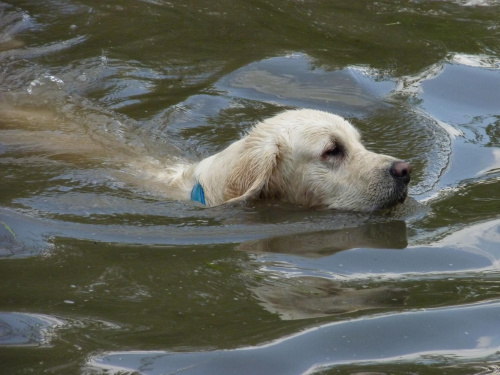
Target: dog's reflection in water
{"type": "Point", "coordinates": [302, 297]}
{"type": "Point", "coordinates": [312, 297]}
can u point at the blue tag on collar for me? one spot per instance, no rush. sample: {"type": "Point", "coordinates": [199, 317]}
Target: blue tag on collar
{"type": "Point", "coordinates": [197, 194]}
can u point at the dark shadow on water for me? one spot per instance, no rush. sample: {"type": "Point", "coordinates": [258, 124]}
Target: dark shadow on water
{"type": "Point", "coordinates": [388, 235]}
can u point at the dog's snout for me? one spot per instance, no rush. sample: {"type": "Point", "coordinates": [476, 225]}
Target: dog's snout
{"type": "Point", "coordinates": [401, 170]}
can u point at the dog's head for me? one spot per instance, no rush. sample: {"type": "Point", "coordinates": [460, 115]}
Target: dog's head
{"type": "Point", "coordinates": [314, 159]}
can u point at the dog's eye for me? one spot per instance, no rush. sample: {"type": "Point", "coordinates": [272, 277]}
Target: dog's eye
{"type": "Point", "coordinates": [334, 152]}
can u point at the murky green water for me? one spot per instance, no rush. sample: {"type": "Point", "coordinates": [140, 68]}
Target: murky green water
{"type": "Point", "coordinates": [102, 273]}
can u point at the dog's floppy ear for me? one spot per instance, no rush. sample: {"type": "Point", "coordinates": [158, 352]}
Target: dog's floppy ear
{"type": "Point", "coordinates": [251, 174]}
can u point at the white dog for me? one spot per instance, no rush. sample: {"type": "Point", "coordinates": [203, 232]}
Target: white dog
{"type": "Point", "coordinates": [306, 157]}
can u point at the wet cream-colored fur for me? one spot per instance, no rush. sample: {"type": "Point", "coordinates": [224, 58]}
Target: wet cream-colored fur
{"type": "Point", "coordinates": [307, 157]}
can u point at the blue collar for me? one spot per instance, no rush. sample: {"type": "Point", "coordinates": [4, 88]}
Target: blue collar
{"type": "Point", "coordinates": [197, 194]}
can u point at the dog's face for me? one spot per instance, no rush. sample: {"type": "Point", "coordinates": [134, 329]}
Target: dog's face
{"type": "Point", "coordinates": [314, 159]}
{"type": "Point", "coordinates": [306, 157]}
{"type": "Point", "coordinates": [324, 163]}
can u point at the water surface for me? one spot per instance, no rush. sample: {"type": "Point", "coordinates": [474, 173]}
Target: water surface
{"type": "Point", "coordinates": [104, 272]}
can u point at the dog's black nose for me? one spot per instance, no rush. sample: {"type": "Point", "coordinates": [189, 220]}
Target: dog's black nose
{"type": "Point", "coordinates": [401, 170]}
